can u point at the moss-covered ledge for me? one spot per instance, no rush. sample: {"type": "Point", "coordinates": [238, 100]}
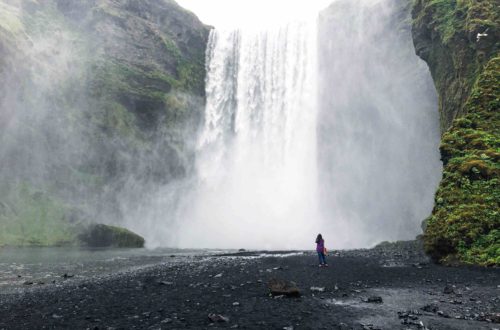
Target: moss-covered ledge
{"type": "Point", "coordinates": [465, 223]}
{"type": "Point", "coordinates": [100, 235]}
{"type": "Point", "coordinates": [459, 40]}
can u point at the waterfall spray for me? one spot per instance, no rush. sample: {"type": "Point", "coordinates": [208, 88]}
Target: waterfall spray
{"type": "Point", "coordinates": [257, 151]}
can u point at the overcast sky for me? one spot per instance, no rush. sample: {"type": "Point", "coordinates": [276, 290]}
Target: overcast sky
{"type": "Point", "coordinates": [252, 13]}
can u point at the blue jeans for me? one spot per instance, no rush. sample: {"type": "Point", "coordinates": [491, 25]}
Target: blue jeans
{"type": "Point", "coordinates": [322, 260]}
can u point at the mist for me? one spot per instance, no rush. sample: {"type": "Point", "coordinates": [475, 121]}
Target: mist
{"type": "Point", "coordinates": [74, 149]}
{"type": "Point", "coordinates": [346, 145]}
{"type": "Point", "coordinates": [322, 121]}
{"type": "Point", "coordinates": [378, 125]}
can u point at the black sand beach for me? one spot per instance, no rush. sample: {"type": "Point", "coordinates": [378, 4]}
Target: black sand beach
{"type": "Point", "coordinates": [389, 287]}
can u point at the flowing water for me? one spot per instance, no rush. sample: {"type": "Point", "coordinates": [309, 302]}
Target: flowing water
{"type": "Point", "coordinates": [313, 123]}
{"type": "Point", "coordinates": [257, 151]}
{"type": "Point", "coordinates": [302, 135]}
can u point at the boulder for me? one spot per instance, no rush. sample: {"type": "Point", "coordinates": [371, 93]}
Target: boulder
{"type": "Point", "coordinates": [100, 235]}
{"type": "Point", "coordinates": [279, 287]}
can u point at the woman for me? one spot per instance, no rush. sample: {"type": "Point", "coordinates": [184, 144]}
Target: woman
{"type": "Point", "coordinates": [320, 248]}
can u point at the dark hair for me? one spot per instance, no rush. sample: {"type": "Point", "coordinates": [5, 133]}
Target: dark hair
{"type": "Point", "coordinates": [319, 238]}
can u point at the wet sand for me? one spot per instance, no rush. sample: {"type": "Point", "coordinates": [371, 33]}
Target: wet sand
{"type": "Point", "coordinates": [181, 294]}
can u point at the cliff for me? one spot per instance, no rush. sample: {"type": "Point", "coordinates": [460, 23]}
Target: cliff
{"type": "Point", "coordinates": [460, 42]}
{"type": "Point", "coordinates": [98, 101]}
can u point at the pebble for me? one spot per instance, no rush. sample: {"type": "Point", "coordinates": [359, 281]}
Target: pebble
{"type": "Point", "coordinates": [317, 289]}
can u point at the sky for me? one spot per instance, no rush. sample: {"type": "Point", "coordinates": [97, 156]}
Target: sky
{"type": "Point", "coordinates": [252, 13]}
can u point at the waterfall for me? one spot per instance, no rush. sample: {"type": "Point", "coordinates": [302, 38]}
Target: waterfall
{"type": "Point", "coordinates": [256, 161]}
{"type": "Point", "coordinates": [328, 125]}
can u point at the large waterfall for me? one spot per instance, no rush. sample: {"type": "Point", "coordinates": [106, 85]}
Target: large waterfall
{"type": "Point", "coordinates": [311, 128]}
{"type": "Point", "coordinates": [257, 151]}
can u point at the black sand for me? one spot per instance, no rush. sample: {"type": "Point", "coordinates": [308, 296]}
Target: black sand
{"type": "Point", "coordinates": [181, 295]}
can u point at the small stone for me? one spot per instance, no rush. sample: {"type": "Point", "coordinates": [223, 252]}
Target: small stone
{"type": "Point", "coordinates": [443, 314]}
{"type": "Point", "coordinates": [317, 289]}
{"type": "Point", "coordinates": [218, 275]}
{"type": "Point", "coordinates": [236, 303]}
{"type": "Point", "coordinates": [431, 308]}
{"type": "Point", "coordinates": [28, 283]}
{"type": "Point", "coordinates": [374, 299]}
{"type": "Point", "coordinates": [448, 289]}
{"type": "Point", "coordinates": [217, 318]}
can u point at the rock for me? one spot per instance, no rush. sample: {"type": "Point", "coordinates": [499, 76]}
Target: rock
{"type": "Point", "coordinates": [99, 235]}
{"type": "Point", "coordinates": [66, 275]}
{"type": "Point", "coordinates": [443, 314]}
{"type": "Point", "coordinates": [218, 275]}
{"type": "Point", "coordinates": [448, 289]}
{"type": "Point", "coordinates": [431, 308]}
{"type": "Point", "coordinates": [343, 326]}
{"type": "Point", "coordinates": [28, 283]}
{"type": "Point", "coordinates": [317, 289]}
{"type": "Point", "coordinates": [236, 303]}
{"type": "Point", "coordinates": [215, 318]}
{"type": "Point", "coordinates": [409, 314]}
{"type": "Point", "coordinates": [374, 299]}
{"type": "Point", "coordinates": [165, 283]}
{"type": "Point", "coordinates": [241, 250]}
{"type": "Point", "coordinates": [279, 287]}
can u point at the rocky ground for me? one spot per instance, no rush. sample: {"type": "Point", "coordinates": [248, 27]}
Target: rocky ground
{"type": "Point", "coordinates": [389, 287]}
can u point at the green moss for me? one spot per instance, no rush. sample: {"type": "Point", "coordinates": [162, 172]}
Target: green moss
{"type": "Point", "coordinates": [191, 76]}
{"type": "Point", "coordinates": [454, 17]}
{"type": "Point", "coordinates": [31, 217]}
{"type": "Point", "coordinates": [465, 223]}
{"type": "Point", "coordinates": [171, 48]}
{"type": "Point", "coordinates": [113, 78]}
{"type": "Point", "coordinates": [99, 235]}
{"type": "Point", "coordinates": [105, 9]}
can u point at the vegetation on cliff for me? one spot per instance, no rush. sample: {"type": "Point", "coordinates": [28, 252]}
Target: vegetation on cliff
{"type": "Point", "coordinates": [460, 42]}
{"type": "Point", "coordinates": [97, 99]}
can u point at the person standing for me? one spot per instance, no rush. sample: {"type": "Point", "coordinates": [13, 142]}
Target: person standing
{"type": "Point", "coordinates": [320, 248]}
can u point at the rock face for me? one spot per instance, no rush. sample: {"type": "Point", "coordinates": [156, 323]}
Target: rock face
{"type": "Point", "coordinates": [99, 235]}
{"type": "Point", "coordinates": [99, 100]}
{"type": "Point", "coordinates": [460, 43]}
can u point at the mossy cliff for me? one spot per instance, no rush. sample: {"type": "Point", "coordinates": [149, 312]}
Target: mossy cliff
{"type": "Point", "coordinates": [98, 103]}
{"type": "Point", "coordinates": [460, 42]}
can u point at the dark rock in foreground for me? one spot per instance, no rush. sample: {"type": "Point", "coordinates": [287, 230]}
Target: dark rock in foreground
{"type": "Point", "coordinates": [279, 287]}
{"type": "Point", "coordinates": [110, 236]}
